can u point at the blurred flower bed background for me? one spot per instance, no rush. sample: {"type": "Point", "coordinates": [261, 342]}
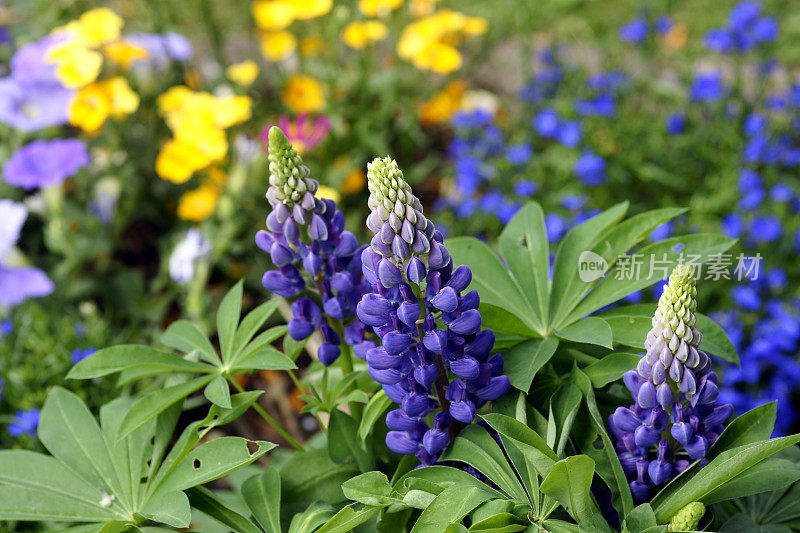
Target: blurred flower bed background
{"type": "Point", "coordinates": [133, 161]}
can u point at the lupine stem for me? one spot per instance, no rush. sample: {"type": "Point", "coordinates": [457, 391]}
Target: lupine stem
{"type": "Point", "coordinates": [269, 420]}
{"type": "Point", "coordinates": [346, 359]}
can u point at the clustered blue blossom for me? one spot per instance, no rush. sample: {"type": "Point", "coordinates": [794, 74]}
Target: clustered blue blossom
{"type": "Point", "coordinates": [307, 232]}
{"type": "Point", "coordinates": [746, 30]}
{"type": "Point", "coordinates": [676, 415]}
{"type": "Point", "coordinates": [428, 324]}
{"type": "Point", "coordinates": [25, 422]}
{"type": "Point", "coordinates": [769, 368]}
{"type": "Point", "coordinates": [639, 29]}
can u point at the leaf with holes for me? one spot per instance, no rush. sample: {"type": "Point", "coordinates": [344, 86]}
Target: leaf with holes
{"type": "Point", "coordinates": [95, 475]}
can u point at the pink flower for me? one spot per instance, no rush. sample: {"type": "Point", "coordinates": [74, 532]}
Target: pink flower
{"type": "Point", "coordinates": [304, 134]}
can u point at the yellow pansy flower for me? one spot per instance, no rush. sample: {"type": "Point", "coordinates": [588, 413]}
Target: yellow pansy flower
{"type": "Point", "coordinates": [378, 8]}
{"type": "Point", "coordinates": [173, 98]}
{"type": "Point", "coordinates": [209, 141]}
{"type": "Point", "coordinates": [272, 14]}
{"type": "Point", "coordinates": [422, 8]}
{"type": "Point", "coordinates": [324, 191]}
{"type": "Point", "coordinates": [76, 65]}
{"type": "Point", "coordinates": [444, 104]}
{"type": "Point", "coordinates": [122, 100]}
{"type": "Point", "coordinates": [244, 73]}
{"type": "Point", "coordinates": [124, 54]}
{"type": "Point", "coordinates": [303, 94]}
{"type": "Point", "coordinates": [309, 9]}
{"type": "Point", "coordinates": [354, 181]}
{"type": "Point", "coordinates": [439, 57]}
{"type": "Point", "coordinates": [360, 34]}
{"type": "Point", "coordinates": [475, 26]}
{"type": "Point", "coordinates": [199, 204]}
{"type": "Point", "coordinates": [177, 161]}
{"type": "Point", "coordinates": [230, 110]}
{"type": "Point", "coordinates": [100, 26]}
{"type": "Point", "coordinates": [277, 45]}
{"type": "Point", "coordinates": [90, 108]}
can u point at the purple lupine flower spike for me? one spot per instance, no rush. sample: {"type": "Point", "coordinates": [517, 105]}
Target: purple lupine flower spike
{"type": "Point", "coordinates": [675, 417]}
{"type": "Point", "coordinates": [306, 232]}
{"type": "Point", "coordinates": [435, 358]}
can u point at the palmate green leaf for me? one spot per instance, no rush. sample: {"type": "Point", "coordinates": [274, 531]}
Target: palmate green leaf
{"type": "Point", "coordinates": [262, 493]}
{"type": "Point", "coordinates": [312, 475]}
{"type": "Point", "coordinates": [130, 455]}
{"type": "Point", "coordinates": [24, 503]}
{"type": "Point", "coordinates": [590, 330]}
{"type": "Point", "coordinates": [212, 460]}
{"type": "Point", "coordinates": [610, 368]}
{"type": "Point", "coordinates": [768, 475]}
{"type": "Point", "coordinates": [640, 518]}
{"type": "Point", "coordinates": [589, 430]}
{"type": "Point", "coordinates": [475, 447]}
{"type": "Point", "coordinates": [264, 358]}
{"type": "Point", "coordinates": [311, 518]}
{"type": "Point", "coordinates": [500, 321]}
{"type": "Point", "coordinates": [30, 470]}
{"type": "Point", "coordinates": [524, 246]}
{"type": "Point", "coordinates": [523, 361]}
{"type": "Point", "coordinates": [438, 477]}
{"type": "Point", "coordinates": [631, 324]}
{"type": "Point", "coordinates": [133, 357]}
{"type": "Point", "coordinates": [567, 285]}
{"type": "Point", "coordinates": [218, 392]}
{"type": "Point", "coordinates": [227, 319]}
{"type": "Point", "coordinates": [343, 442]}
{"type": "Point", "coordinates": [347, 519]}
{"type": "Point", "coordinates": [372, 412]}
{"type": "Point", "coordinates": [206, 501]}
{"type": "Point", "coordinates": [70, 433]}
{"type": "Point", "coordinates": [726, 466]}
{"type": "Point", "coordinates": [370, 488]}
{"type": "Point", "coordinates": [252, 322]}
{"type": "Point", "coordinates": [617, 285]}
{"type": "Point", "coordinates": [530, 444]}
{"type": "Point", "coordinates": [491, 278]}
{"type": "Point", "coordinates": [565, 408]}
{"type": "Point", "coordinates": [570, 483]}
{"type": "Point", "coordinates": [450, 506]}
{"type": "Point", "coordinates": [187, 337]}
{"type": "Point", "coordinates": [171, 508]}
{"type": "Point", "coordinates": [150, 405]}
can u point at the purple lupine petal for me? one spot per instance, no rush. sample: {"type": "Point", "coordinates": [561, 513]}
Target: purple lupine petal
{"type": "Point", "coordinates": [461, 278]}
{"type": "Point", "coordinates": [328, 353]}
{"type": "Point", "coordinates": [300, 329]}
{"type": "Point", "coordinates": [466, 368]}
{"type": "Point", "coordinates": [378, 359]}
{"type": "Point", "coordinates": [646, 436]}
{"type": "Point", "coordinates": [446, 300]}
{"type": "Point", "coordinates": [468, 323]}
{"type": "Point", "coordinates": [399, 442]}
{"type": "Point", "coordinates": [625, 420]}
{"type": "Point", "coordinates": [434, 441]}
{"type": "Point", "coordinates": [397, 420]}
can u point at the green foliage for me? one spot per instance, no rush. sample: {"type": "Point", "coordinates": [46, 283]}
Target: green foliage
{"type": "Point", "coordinates": [96, 474]}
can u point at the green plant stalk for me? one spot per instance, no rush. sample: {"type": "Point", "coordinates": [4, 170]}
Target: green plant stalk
{"type": "Point", "coordinates": [269, 420]}
{"type": "Point", "coordinates": [346, 360]}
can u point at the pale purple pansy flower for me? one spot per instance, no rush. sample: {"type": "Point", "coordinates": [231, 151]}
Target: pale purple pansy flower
{"type": "Point", "coordinates": [44, 163]}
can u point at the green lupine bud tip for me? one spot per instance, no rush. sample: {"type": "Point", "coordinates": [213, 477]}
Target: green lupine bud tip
{"type": "Point", "coordinates": [390, 193]}
{"type": "Point", "coordinates": [688, 518]}
{"type": "Point", "coordinates": [288, 178]}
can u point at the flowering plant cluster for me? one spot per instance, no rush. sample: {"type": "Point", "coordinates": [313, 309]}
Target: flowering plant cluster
{"type": "Point", "coordinates": [426, 325]}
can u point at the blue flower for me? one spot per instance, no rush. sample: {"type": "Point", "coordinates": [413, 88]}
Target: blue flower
{"type": "Point", "coordinates": [662, 231]}
{"type": "Point", "coordinates": [525, 188]}
{"type": "Point", "coordinates": [573, 201]}
{"type": "Point", "coordinates": [635, 31]}
{"type": "Point", "coordinates": [755, 124]}
{"type": "Point", "coordinates": [555, 226]}
{"type": "Point", "coordinates": [569, 134]}
{"type": "Point", "coordinates": [547, 123]}
{"type": "Point", "coordinates": [44, 163]}
{"type": "Point", "coordinates": [733, 225]}
{"type": "Point", "coordinates": [719, 40]}
{"type": "Point", "coordinates": [675, 123]}
{"type": "Point", "coordinates": [602, 105]}
{"type": "Point", "coordinates": [25, 423]}
{"type": "Point", "coordinates": [519, 154]}
{"type": "Point", "coordinates": [781, 193]}
{"type": "Point", "coordinates": [79, 354]}
{"type": "Point", "coordinates": [663, 24]}
{"type": "Point", "coordinates": [590, 168]}
{"type": "Point", "coordinates": [6, 327]}
{"type": "Point", "coordinates": [707, 87]}
{"type": "Point", "coordinates": [765, 229]}
{"type": "Point", "coordinates": [746, 297]}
